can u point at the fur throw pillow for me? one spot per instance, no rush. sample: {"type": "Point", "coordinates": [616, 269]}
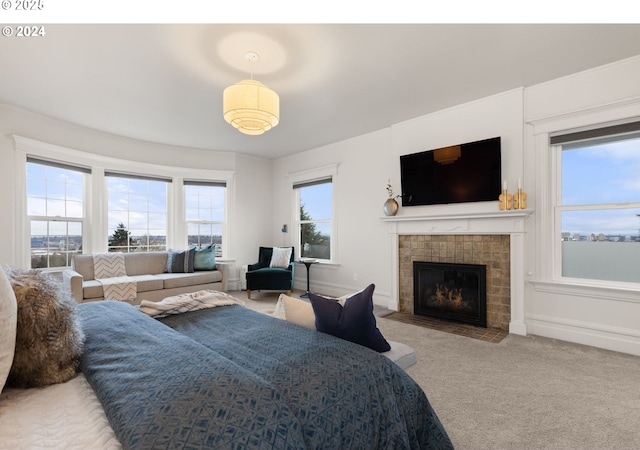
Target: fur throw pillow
{"type": "Point", "coordinates": [49, 338]}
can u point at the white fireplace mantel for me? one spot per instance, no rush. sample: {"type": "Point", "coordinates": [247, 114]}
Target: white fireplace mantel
{"type": "Point", "coordinates": [495, 222]}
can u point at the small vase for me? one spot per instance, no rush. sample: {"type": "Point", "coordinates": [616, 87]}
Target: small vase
{"type": "Point", "coordinates": [390, 207]}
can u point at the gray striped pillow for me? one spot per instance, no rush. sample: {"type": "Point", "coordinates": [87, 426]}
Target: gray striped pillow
{"type": "Point", "coordinates": [180, 261]}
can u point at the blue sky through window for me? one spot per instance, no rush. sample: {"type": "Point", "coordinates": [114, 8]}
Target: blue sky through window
{"type": "Point", "coordinates": [141, 205]}
{"type": "Point", "coordinates": [317, 201]}
{"type": "Point", "coordinates": [597, 175]}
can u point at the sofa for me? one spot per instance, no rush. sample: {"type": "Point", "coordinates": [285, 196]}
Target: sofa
{"type": "Point", "coordinates": [147, 269]}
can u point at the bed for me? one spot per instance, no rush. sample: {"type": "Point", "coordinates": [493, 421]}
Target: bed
{"type": "Point", "coordinates": [220, 378]}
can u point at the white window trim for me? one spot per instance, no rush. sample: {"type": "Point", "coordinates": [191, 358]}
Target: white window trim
{"type": "Point", "coordinates": [319, 173]}
{"type": "Point", "coordinates": [224, 221]}
{"type": "Point", "coordinates": [548, 276]}
{"type": "Point", "coordinates": [95, 232]}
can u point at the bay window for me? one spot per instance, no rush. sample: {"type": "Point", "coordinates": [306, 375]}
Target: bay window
{"type": "Point", "coordinates": [70, 201]}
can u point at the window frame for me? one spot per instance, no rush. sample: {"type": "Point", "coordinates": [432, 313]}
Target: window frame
{"type": "Point", "coordinates": [558, 208]}
{"type": "Point", "coordinates": [308, 177]}
{"type": "Point", "coordinates": [223, 222]}
{"type": "Point", "coordinates": [109, 174]}
{"type": "Point", "coordinates": [85, 173]}
{"type": "Point", "coordinates": [543, 167]}
{"type": "Point", "coordinates": [95, 230]}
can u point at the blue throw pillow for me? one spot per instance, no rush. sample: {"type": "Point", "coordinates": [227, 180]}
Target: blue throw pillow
{"type": "Point", "coordinates": [353, 322]}
{"type": "Point", "coordinates": [205, 258]}
{"type": "Point", "coordinates": [180, 261]}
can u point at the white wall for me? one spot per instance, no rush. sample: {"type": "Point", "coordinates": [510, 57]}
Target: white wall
{"type": "Point", "coordinates": [253, 175]}
{"type": "Point", "coordinates": [362, 252]}
{"type": "Point", "coordinates": [251, 227]}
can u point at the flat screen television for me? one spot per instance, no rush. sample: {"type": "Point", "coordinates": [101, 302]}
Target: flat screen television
{"type": "Point", "coordinates": [462, 173]}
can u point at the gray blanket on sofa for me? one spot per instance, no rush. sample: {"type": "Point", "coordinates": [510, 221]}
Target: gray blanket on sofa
{"type": "Point", "coordinates": [231, 378]}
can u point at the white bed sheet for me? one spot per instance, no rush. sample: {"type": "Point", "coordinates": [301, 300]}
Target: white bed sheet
{"type": "Point", "coordinates": [61, 416]}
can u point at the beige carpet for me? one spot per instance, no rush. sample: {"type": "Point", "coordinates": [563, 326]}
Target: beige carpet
{"type": "Point", "coordinates": [522, 393]}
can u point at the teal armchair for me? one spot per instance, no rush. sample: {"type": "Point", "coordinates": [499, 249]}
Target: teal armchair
{"type": "Point", "coordinates": [261, 276]}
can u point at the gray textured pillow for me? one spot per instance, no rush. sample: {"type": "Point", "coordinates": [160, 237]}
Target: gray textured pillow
{"type": "Point", "coordinates": [8, 317]}
{"type": "Point", "coordinates": [49, 338]}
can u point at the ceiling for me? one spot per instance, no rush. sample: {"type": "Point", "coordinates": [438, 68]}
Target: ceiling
{"type": "Point", "coordinates": [163, 83]}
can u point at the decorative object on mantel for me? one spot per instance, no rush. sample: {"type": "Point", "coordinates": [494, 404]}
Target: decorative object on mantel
{"type": "Point", "coordinates": [520, 197]}
{"type": "Point", "coordinates": [506, 199]}
{"type": "Point", "coordinates": [250, 106]}
{"type": "Point", "coordinates": [390, 207]}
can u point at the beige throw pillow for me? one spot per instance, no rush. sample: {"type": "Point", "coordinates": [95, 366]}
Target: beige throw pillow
{"type": "Point", "coordinates": [296, 311]}
{"type": "Point", "coordinates": [8, 318]}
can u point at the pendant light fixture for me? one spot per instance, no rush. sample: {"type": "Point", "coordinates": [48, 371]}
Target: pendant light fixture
{"type": "Point", "coordinates": [249, 105]}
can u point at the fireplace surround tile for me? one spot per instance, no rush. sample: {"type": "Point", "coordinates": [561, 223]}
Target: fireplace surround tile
{"type": "Point", "coordinates": [490, 250]}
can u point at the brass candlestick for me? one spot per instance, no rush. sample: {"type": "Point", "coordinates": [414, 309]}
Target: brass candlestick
{"type": "Point", "coordinates": [506, 200]}
{"type": "Point", "coordinates": [520, 200]}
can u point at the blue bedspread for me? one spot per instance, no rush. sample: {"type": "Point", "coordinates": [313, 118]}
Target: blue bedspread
{"type": "Point", "coordinates": [231, 378]}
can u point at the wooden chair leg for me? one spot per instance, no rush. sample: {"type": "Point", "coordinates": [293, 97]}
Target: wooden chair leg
{"type": "Point", "coordinates": [249, 294]}
{"type": "Point", "coordinates": [289, 293]}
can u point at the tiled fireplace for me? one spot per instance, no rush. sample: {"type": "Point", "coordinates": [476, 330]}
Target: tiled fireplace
{"type": "Point", "coordinates": [491, 251]}
{"type": "Point", "coordinates": [492, 239]}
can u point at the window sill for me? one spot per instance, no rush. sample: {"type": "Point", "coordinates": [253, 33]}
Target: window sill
{"type": "Point", "coordinates": [630, 293]}
{"type": "Point", "coordinates": [324, 264]}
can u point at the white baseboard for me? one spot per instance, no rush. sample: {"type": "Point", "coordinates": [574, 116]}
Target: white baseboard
{"type": "Point", "coordinates": [618, 339]}
{"type": "Point", "coordinates": [234, 285]}
{"type": "Point", "coordinates": [517, 328]}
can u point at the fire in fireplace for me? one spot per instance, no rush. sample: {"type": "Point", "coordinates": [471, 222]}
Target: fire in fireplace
{"type": "Point", "coordinates": [450, 291]}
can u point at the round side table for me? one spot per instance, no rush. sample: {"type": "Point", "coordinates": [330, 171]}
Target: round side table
{"type": "Point", "coordinates": [307, 263]}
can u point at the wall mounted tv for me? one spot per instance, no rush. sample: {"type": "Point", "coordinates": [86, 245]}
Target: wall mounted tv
{"type": "Point", "coordinates": [458, 174]}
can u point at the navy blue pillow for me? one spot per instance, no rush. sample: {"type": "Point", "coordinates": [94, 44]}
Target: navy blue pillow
{"type": "Point", "coordinates": [353, 322]}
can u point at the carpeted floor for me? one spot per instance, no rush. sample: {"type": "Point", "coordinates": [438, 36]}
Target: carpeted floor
{"type": "Point", "coordinates": [521, 393]}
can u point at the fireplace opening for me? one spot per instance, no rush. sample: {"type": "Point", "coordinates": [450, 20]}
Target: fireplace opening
{"type": "Point", "coordinates": [450, 291]}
